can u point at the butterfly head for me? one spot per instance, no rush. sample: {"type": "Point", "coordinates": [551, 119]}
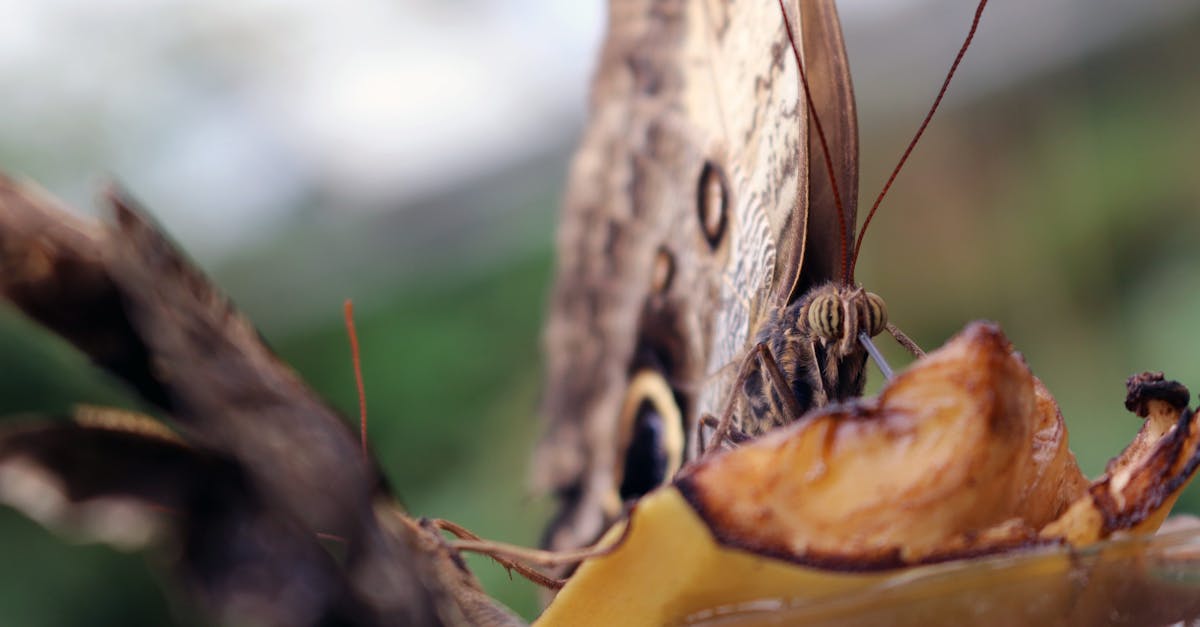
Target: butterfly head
{"type": "Point", "coordinates": [837, 313]}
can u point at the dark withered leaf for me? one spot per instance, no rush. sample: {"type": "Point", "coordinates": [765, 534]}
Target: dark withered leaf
{"type": "Point", "coordinates": [127, 298]}
{"type": "Point", "coordinates": [248, 564]}
{"type": "Point", "coordinates": [290, 469]}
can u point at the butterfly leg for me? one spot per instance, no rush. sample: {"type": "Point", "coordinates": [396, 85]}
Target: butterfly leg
{"type": "Point", "coordinates": [779, 382]}
{"type": "Point", "coordinates": [762, 358]}
{"type": "Point", "coordinates": [734, 435]}
{"type": "Point", "coordinates": [820, 396]}
{"type": "Point", "coordinates": [725, 424]}
{"type": "Point", "coordinates": [905, 341]}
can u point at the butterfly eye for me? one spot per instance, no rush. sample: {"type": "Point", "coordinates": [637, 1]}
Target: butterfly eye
{"type": "Point", "coordinates": [876, 314]}
{"type": "Point", "coordinates": [651, 436]}
{"type": "Point", "coordinates": [712, 203]}
{"type": "Point", "coordinates": [825, 316]}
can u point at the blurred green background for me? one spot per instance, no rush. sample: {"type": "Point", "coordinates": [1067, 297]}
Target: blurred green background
{"type": "Point", "coordinates": [1058, 197]}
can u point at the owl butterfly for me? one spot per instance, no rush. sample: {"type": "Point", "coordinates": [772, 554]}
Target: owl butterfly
{"type": "Point", "coordinates": [706, 249]}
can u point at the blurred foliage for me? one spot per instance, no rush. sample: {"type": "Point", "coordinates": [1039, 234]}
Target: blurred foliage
{"type": "Point", "coordinates": [1066, 210]}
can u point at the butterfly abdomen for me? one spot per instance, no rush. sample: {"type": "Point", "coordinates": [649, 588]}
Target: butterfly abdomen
{"type": "Point", "coordinates": [785, 336]}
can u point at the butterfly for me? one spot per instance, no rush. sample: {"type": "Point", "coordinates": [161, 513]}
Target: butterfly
{"type": "Point", "coordinates": [709, 222]}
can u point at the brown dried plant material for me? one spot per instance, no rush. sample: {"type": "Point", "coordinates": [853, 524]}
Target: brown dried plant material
{"type": "Point", "coordinates": [1139, 487]}
{"type": "Point", "coordinates": [964, 455]}
{"type": "Point", "coordinates": [946, 450]}
{"type": "Point", "coordinates": [261, 468]}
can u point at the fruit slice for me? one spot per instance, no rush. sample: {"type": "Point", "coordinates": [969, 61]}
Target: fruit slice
{"type": "Point", "coordinates": [964, 455]}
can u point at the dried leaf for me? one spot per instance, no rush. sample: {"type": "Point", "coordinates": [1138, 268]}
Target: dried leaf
{"type": "Point", "coordinates": [267, 468]}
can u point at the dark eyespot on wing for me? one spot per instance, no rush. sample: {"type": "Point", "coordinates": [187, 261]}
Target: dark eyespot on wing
{"type": "Point", "coordinates": [712, 203]}
{"type": "Point", "coordinates": [646, 457]}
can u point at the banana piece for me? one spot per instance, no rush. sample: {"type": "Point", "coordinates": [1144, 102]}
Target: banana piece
{"type": "Point", "coordinates": [962, 457]}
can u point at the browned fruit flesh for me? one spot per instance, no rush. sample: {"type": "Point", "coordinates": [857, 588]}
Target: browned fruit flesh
{"type": "Point", "coordinates": [963, 456]}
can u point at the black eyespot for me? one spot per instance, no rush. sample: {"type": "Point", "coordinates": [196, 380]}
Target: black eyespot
{"type": "Point", "coordinates": [651, 436]}
{"type": "Point", "coordinates": [712, 203]}
{"type": "Point", "coordinates": [646, 458]}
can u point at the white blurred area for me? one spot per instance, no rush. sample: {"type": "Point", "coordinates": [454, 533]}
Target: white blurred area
{"type": "Point", "coordinates": [228, 116]}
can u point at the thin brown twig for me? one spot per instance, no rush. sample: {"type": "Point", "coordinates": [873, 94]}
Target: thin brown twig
{"type": "Point", "coordinates": [348, 308]}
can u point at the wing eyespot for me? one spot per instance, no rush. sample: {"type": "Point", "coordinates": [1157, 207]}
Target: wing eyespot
{"type": "Point", "coordinates": [712, 203]}
{"type": "Point", "coordinates": [651, 440]}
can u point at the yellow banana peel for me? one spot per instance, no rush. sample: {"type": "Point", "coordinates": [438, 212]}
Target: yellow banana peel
{"type": "Point", "coordinates": [961, 461]}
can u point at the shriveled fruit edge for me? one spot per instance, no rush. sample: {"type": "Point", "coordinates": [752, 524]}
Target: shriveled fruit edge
{"type": "Point", "coordinates": [1135, 494]}
{"type": "Point", "coordinates": [1139, 486]}
{"type": "Point", "coordinates": [988, 396]}
{"type": "Point", "coordinates": [630, 587]}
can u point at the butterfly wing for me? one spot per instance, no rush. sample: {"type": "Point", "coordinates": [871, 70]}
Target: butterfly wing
{"type": "Point", "coordinates": [828, 73]}
{"type": "Point", "coordinates": [684, 221]}
{"type": "Point", "coordinates": [813, 236]}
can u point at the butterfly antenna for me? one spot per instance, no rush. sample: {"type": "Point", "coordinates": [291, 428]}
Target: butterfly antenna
{"type": "Point", "coordinates": [348, 307]}
{"type": "Point", "coordinates": [812, 112]}
{"type": "Point", "coordinates": [920, 130]}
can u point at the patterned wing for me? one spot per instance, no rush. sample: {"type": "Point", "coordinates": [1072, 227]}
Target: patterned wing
{"type": "Point", "coordinates": [832, 91]}
{"type": "Point", "coordinates": [687, 191]}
